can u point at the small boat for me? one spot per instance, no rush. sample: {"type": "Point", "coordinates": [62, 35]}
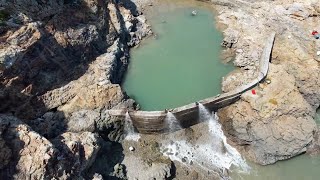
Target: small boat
{"type": "Point", "coordinates": [194, 12]}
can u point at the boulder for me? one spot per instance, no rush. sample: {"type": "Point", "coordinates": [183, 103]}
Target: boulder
{"type": "Point", "coordinates": [275, 124]}
{"type": "Point", "coordinates": [77, 151]}
{"type": "Point", "coordinates": [31, 153]}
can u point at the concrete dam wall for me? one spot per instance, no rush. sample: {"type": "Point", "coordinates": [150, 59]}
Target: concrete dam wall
{"type": "Point", "coordinates": [188, 115]}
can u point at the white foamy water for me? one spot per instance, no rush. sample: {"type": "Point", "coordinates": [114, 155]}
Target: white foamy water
{"type": "Point", "coordinates": [129, 129]}
{"type": "Point", "coordinates": [172, 122]}
{"type": "Point", "coordinates": [210, 151]}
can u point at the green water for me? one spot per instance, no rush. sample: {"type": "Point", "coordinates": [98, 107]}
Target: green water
{"type": "Point", "coordinates": [317, 118]}
{"type": "Point", "coordinates": [180, 66]}
{"type": "Point", "coordinates": [303, 167]}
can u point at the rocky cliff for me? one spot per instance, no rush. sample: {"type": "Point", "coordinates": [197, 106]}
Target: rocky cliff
{"type": "Point", "coordinates": [61, 65]}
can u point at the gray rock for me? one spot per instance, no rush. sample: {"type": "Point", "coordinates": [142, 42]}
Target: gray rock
{"type": "Point", "coordinates": [110, 127]}
{"type": "Point", "coordinates": [84, 120]}
{"type": "Point", "coordinates": [35, 9]}
{"type": "Point", "coordinates": [50, 125]}
{"type": "Point", "coordinates": [156, 171]}
{"type": "Point", "coordinates": [270, 124]}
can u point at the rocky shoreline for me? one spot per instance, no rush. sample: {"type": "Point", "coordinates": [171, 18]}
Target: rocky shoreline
{"type": "Point", "coordinates": [61, 63]}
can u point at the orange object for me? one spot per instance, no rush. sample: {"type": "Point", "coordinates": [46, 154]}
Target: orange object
{"type": "Point", "coordinates": [253, 92]}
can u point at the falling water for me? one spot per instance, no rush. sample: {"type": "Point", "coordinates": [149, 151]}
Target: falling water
{"type": "Point", "coordinates": [129, 129]}
{"type": "Point", "coordinates": [230, 154]}
{"type": "Point", "coordinates": [204, 114]}
{"type": "Point", "coordinates": [209, 151]}
{"type": "Point", "coordinates": [172, 122]}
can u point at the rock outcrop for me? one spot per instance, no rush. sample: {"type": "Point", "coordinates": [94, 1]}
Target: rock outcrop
{"type": "Point", "coordinates": [277, 123]}
{"type": "Point", "coordinates": [61, 63]}
{"type": "Point", "coordinates": [274, 124]}
{"type": "Point", "coordinates": [27, 155]}
{"type": "Point", "coordinates": [30, 151]}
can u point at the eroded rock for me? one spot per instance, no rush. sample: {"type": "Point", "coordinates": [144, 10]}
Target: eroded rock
{"type": "Point", "coordinates": [274, 124]}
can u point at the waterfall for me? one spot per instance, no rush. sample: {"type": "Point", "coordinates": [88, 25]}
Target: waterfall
{"type": "Point", "coordinates": [204, 114]}
{"type": "Point", "coordinates": [129, 131]}
{"type": "Point", "coordinates": [209, 150]}
{"type": "Point", "coordinates": [172, 122]}
{"type": "Point", "coordinates": [231, 155]}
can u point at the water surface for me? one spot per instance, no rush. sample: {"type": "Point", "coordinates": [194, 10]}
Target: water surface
{"type": "Point", "coordinates": [303, 167]}
{"type": "Point", "coordinates": [181, 64]}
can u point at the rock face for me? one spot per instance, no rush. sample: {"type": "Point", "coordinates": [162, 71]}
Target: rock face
{"type": "Point", "coordinates": [277, 123]}
{"type": "Point", "coordinates": [274, 124]}
{"type": "Point", "coordinates": [61, 63]}
{"type": "Point", "coordinates": [28, 155]}
{"type": "Point", "coordinates": [77, 152]}
{"type": "Point", "coordinates": [69, 56]}
{"type": "Point", "coordinates": [30, 152]}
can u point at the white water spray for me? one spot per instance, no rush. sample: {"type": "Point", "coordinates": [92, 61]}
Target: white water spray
{"type": "Point", "coordinates": [209, 151]}
{"type": "Point", "coordinates": [231, 155]}
{"type": "Point", "coordinates": [129, 129]}
{"type": "Point", "coordinates": [172, 122]}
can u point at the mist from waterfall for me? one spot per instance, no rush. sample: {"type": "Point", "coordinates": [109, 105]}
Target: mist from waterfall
{"type": "Point", "coordinates": [130, 133]}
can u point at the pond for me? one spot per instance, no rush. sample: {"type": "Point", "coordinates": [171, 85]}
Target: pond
{"type": "Point", "coordinates": [181, 64]}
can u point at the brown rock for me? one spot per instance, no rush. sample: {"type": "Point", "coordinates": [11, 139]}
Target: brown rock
{"type": "Point", "coordinates": [31, 152]}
